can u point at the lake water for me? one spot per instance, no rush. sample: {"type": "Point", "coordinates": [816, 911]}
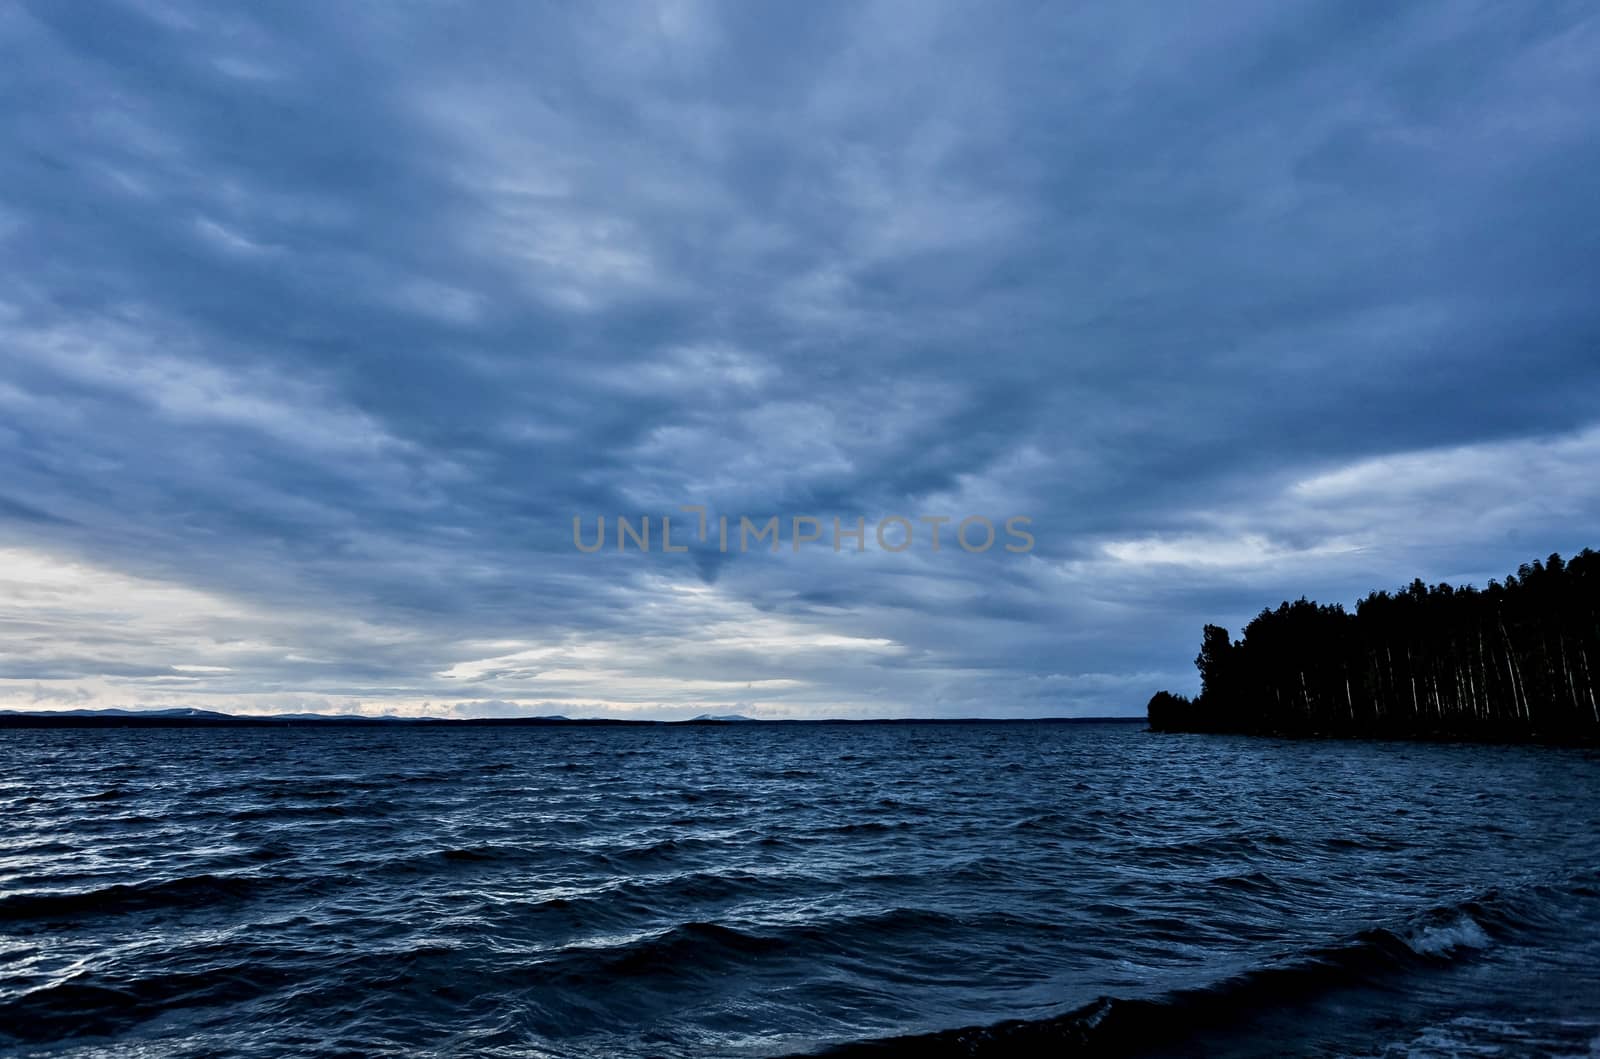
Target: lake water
{"type": "Point", "coordinates": [754, 890]}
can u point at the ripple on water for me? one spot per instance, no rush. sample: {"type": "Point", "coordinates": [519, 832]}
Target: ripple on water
{"type": "Point", "coordinates": [937, 890]}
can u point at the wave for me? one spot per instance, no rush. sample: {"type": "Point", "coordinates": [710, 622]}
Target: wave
{"type": "Point", "coordinates": [105, 1002]}
{"type": "Point", "coordinates": [706, 948]}
{"type": "Point", "coordinates": [110, 795]}
{"type": "Point", "coordinates": [440, 861]}
{"type": "Point", "coordinates": [183, 892]}
{"type": "Point", "coordinates": [1437, 939]}
{"type": "Point", "coordinates": [625, 859]}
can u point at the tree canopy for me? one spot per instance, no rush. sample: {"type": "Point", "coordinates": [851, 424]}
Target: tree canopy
{"type": "Point", "coordinates": [1516, 659]}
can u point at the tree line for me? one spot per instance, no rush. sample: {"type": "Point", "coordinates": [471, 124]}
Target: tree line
{"type": "Point", "coordinates": [1518, 659]}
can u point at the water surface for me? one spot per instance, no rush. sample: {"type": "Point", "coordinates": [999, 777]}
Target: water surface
{"type": "Point", "coordinates": [754, 890]}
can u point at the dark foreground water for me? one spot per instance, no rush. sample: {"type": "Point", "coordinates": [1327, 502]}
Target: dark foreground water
{"type": "Point", "coordinates": [762, 890]}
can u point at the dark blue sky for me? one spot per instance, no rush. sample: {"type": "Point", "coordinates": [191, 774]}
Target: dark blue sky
{"type": "Point", "coordinates": [320, 322]}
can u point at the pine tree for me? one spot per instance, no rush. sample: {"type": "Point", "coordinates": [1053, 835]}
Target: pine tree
{"type": "Point", "coordinates": [1519, 659]}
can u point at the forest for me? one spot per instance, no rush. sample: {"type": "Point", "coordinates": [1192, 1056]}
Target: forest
{"type": "Point", "coordinates": [1515, 660]}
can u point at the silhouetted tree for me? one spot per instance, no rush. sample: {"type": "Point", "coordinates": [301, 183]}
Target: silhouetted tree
{"type": "Point", "coordinates": [1517, 659]}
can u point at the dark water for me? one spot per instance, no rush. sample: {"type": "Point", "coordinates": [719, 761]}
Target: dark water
{"type": "Point", "coordinates": [760, 890]}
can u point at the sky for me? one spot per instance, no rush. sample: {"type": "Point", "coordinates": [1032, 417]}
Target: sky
{"type": "Point", "coordinates": [320, 323]}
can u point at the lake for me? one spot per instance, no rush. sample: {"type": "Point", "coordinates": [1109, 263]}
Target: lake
{"type": "Point", "coordinates": [760, 890]}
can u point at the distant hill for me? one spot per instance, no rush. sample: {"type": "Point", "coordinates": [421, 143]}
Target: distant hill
{"type": "Point", "coordinates": [186, 711]}
{"type": "Point", "coordinates": [722, 717]}
{"type": "Point", "coordinates": [334, 717]}
{"type": "Point", "coordinates": [1515, 660]}
{"type": "Point", "coordinates": [189, 717]}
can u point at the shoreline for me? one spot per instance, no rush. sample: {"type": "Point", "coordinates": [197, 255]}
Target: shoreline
{"type": "Point", "coordinates": [56, 720]}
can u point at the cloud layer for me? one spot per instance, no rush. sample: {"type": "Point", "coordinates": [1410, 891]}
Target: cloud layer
{"type": "Point", "coordinates": [322, 322]}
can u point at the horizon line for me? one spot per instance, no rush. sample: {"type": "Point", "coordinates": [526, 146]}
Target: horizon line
{"type": "Point", "coordinates": [183, 717]}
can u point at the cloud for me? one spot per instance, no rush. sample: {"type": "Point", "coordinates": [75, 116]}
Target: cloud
{"type": "Point", "coordinates": [313, 351]}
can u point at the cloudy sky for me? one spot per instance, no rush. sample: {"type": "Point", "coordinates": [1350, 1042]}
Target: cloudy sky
{"type": "Point", "coordinates": [319, 324]}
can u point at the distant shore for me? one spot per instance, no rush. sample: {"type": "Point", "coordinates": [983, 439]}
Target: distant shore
{"type": "Point", "coordinates": [133, 719]}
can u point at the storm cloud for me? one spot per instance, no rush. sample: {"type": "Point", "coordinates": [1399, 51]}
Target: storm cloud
{"type": "Point", "coordinates": [321, 322]}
